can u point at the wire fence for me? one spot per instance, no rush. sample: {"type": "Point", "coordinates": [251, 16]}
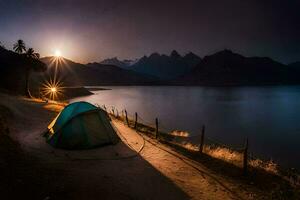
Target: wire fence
{"type": "Point", "coordinates": [158, 129]}
{"type": "Point", "coordinates": [163, 130]}
{"type": "Point", "coordinates": [197, 142]}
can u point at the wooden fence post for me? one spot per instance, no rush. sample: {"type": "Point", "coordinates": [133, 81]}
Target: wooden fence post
{"type": "Point", "coordinates": [245, 158]}
{"type": "Point", "coordinates": [126, 118]}
{"type": "Point", "coordinates": [113, 111]}
{"type": "Point", "coordinates": [202, 139]}
{"type": "Point", "coordinates": [156, 128]}
{"type": "Point", "coordinates": [117, 112]}
{"type": "Point", "coordinates": [135, 123]}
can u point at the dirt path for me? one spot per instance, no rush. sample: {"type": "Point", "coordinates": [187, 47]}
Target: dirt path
{"type": "Point", "coordinates": [193, 178]}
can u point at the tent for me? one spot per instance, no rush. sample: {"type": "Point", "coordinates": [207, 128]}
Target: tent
{"type": "Point", "coordinates": [81, 125]}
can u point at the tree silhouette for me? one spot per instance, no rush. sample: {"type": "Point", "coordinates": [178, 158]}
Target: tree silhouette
{"type": "Point", "coordinates": [32, 62]}
{"type": "Point", "coordinates": [30, 53]}
{"type": "Point", "coordinates": [19, 46]}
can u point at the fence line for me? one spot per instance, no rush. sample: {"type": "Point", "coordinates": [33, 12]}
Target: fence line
{"type": "Point", "coordinates": [157, 130]}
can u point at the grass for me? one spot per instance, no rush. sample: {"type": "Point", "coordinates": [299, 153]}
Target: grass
{"type": "Point", "coordinates": [51, 105]}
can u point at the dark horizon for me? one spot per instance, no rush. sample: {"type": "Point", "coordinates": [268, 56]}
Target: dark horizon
{"type": "Point", "coordinates": [88, 31]}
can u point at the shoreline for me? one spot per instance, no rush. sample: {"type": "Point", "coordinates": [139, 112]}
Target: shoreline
{"type": "Point", "coordinates": [73, 92]}
{"type": "Point", "coordinates": [182, 144]}
{"type": "Point", "coordinates": [94, 88]}
{"type": "Point", "coordinates": [257, 162]}
{"type": "Point", "coordinates": [153, 165]}
{"type": "Point", "coordinates": [207, 106]}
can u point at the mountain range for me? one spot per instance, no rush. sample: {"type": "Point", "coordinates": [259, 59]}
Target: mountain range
{"type": "Point", "coordinates": [76, 74]}
{"type": "Point", "coordinates": [228, 68]}
{"type": "Point", "coordinates": [165, 67]}
{"type": "Point", "coordinates": [224, 68]}
{"type": "Point", "coordinates": [126, 64]}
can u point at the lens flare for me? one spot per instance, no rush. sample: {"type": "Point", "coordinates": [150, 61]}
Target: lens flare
{"type": "Point", "coordinates": [57, 53]}
{"type": "Point", "coordinates": [52, 89]}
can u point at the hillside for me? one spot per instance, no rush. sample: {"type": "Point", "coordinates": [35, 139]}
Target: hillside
{"type": "Point", "coordinates": [76, 74]}
{"type": "Point", "coordinates": [114, 75]}
{"type": "Point", "coordinates": [228, 68]}
{"type": "Point", "coordinates": [13, 68]}
{"type": "Point", "coordinates": [166, 67]}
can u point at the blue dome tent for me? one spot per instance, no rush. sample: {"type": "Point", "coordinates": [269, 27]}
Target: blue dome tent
{"type": "Point", "coordinates": [81, 125]}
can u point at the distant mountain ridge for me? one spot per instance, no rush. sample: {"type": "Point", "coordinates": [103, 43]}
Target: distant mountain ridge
{"type": "Point", "coordinates": [228, 68]}
{"type": "Point", "coordinates": [76, 74]}
{"type": "Point", "coordinates": [224, 68]}
{"type": "Point", "coordinates": [126, 64]}
{"type": "Point", "coordinates": [166, 67]}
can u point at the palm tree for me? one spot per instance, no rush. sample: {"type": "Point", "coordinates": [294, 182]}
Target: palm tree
{"type": "Point", "coordinates": [31, 62]}
{"type": "Point", "coordinates": [19, 46]}
{"type": "Point", "coordinates": [31, 54]}
{"type": "Point", "coordinates": [32, 57]}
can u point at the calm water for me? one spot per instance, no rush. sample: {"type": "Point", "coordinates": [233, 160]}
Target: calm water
{"type": "Point", "coordinates": [268, 116]}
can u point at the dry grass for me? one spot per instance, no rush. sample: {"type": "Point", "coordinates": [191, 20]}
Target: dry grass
{"type": "Point", "coordinates": [236, 158]}
{"type": "Point", "coordinates": [268, 166]}
{"type": "Point", "coordinates": [179, 133]}
{"type": "Point", "coordinates": [191, 147]}
{"type": "Point", "coordinates": [54, 106]}
{"type": "Point", "coordinates": [231, 156]}
{"type": "Point", "coordinates": [221, 153]}
{"type": "Point", "coordinates": [38, 100]}
{"type": "Point", "coordinates": [225, 154]}
{"type": "Point", "coordinates": [33, 99]}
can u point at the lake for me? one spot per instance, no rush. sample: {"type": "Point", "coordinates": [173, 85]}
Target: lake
{"type": "Point", "coordinates": [268, 116]}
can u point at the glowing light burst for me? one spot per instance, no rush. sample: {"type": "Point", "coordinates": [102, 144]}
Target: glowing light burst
{"type": "Point", "coordinates": [57, 53]}
{"type": "Point", "coordinates": [52, 89]}
{"type": "Point", "coordinates": [58, 65]}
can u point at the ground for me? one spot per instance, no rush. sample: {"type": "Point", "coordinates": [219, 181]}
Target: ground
{"type": "Point", "coordinates": [136, 168]}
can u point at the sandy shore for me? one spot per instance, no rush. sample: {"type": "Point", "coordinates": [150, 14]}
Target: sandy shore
{"type": "Point", "coordinates": [136, 168]}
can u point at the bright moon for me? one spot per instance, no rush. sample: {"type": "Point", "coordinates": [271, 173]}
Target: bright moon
{"type": "Point", "coordinates": [57, 53]}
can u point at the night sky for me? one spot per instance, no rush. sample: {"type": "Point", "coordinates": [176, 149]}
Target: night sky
{"type": "Point", "coordinates": [88, 31]}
